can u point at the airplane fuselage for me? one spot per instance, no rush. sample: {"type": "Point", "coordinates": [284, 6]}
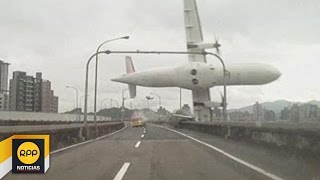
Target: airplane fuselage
{"type": "Point", "coordinates": [197, 75]}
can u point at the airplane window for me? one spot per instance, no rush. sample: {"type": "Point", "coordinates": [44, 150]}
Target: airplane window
{"type": "Point", "coordinates": [195, 81]}
{"type": "Point", "coordinates": [193, 72]}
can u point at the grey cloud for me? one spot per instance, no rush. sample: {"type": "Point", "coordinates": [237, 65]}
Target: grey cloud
{"type": "Point", "coordinates": [57, 38]}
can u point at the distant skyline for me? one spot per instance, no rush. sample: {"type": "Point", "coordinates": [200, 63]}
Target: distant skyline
{"type": "Point", "coordinates": [276, 106]}
{"type": "Point", "coordinates": [57, 37]}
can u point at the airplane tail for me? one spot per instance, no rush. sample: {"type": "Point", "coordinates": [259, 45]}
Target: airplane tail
{"type": "Point", "coordinates": [130, 69]}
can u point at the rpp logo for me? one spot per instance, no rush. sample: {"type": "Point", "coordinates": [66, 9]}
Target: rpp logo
{"type": "Point", "coordinates": [28, 153]}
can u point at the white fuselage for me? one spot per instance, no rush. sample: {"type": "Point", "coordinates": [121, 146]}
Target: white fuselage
{"type": "Point", "coordinates": [197, 75]}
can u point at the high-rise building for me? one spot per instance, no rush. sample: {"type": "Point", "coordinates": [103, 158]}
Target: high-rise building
{"type": "Point", "coordinates": [55, 104]}
{"type": "Point", "coordinates": [216, 113]}
{"type": "Point", "coordinates": [47, 96]}
{"type": "Point", "coordinates": [4, 99]}
{"type": "Point", "coordinates": [308, 112]}
{"type": "Point", "coordinates": [4, 67]}
{"type": "Point", "coordinates": [28, 93]}
{"type": "Point", "coordinates": [285, 114]}
{"type": "Point", "coordinates": [257, 112]}
{"type": "Point", "coordinates": [269, 115]}
{"type": "Point", "coordinates": [295, 113]}
{"type": "Point", "coordinates": [25, 92]}
{"type": "Point", "coordinates": [240, 116]}
{"type": "Point", "coordinates": [49, 101]}
{"type": "Point", "coordinates": [186, 109]}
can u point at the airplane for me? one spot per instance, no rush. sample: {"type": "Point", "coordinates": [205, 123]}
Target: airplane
{"type": "Point", "coordinates": [197, 75]}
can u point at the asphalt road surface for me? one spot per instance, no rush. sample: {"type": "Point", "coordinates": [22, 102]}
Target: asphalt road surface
{"type": "Point", "coordinates": [158, 153]}
{"type": "Point", "coordinates": [135, 153]}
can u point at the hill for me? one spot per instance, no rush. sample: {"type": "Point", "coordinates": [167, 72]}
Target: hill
{"type": "Point", "coordinates": [275, 106]}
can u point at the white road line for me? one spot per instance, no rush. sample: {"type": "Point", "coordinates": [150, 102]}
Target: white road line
{"type": "Point", "coordinates": [122, 171]}
{"type": "Point", "coordinates": [262, 171]}
{"type": "Point", "coordinates": [137, 144]}
{"type": "Point", "coordinates": [86, 142]}
{"type": "Point", "coordinates": [142, 135]}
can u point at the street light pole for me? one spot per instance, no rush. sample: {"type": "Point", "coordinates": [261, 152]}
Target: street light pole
{"type": "Point", "coordinates": [86, 94]}
{"type": "Point", "coordinates": [180, 98]}
{"type": "Point", "coordinates": [159, 103]}
{"type": "Point", "coordinates": [77, 97]}
{"type": "Point", "coordinates": [158, 97]}
{"type": "Point", "coordinates": [113, 100]}
{"type": "Point", "coordinates": [96, 81]}
{"type": "Point", "coordinates": [146, 101]}
{"type": "Point", "coordinates": [81, 98]}
{"type": "Point", "coordinates": [101, 102]}
{"type": "Point", "coordinates": [225, 73]}
{"type": "Point", "coordinates": [123, 99]}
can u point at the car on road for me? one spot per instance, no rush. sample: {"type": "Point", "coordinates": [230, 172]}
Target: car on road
{"type": "Point", "coordinates": [138, 122]}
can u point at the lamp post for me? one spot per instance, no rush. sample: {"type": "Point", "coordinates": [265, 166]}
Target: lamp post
{"type": "Point", "coordinates": [225, 74]}
{"type": "Point", "coordinates": [145, 52]}
{"type": "Point", "coordinates": [101, 102]}
{"type": "Point", "coordinates": [112, 100]}
{"type": "Point", "coordinates": [122, 108]}
{"type": "Point", "coordinates": [148, 98]}
{"type": "Point", "coordinates": [145, 105]}
{"type": "Point", "coordinates": [96, 81]}
{"type": "Point", "coordinates": [107, 104]}
{"type": "Point", "coordinates": [85, 123]}
{"type": "Point", "coordinates": [81, 98]}
{"type": "Point", "coordinates": [77, 98]}
{"type": "Point", "coordinates": [180, 99]}
{"type": "Point", "coordinates": [159, 97]}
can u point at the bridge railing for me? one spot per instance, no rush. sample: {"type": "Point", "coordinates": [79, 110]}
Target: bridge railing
{"type": "Point", "coordinates": [303, 136]}
{"type": "Point", "coordinates": [62, 135]}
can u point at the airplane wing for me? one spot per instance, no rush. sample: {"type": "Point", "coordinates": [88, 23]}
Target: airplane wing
{"type": "Point", "coordinates": [193, 29]}
{"type": "Point", "coordinates": [182, 116]}
{"type": "Point", "coordinates": [194, 35]}
{"type": "Point", "coordinates": [130, 69]}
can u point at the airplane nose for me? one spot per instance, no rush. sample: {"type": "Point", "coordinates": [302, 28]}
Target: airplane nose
{"type": "Point", "coordinates": [117, 79]}
{"type": "Point", "coordinates": [123, 79]}
{"type": "Point", "coordinates": [275, 73]}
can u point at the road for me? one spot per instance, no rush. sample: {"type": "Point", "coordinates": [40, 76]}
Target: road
{"type": "Point", "coordinates": [161, 154]}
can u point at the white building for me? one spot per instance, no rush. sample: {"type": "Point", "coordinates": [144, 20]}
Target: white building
{"type": "Point", "coordinates": [258, 112]}
{"type": "Point", "coordinates": [4, 98]}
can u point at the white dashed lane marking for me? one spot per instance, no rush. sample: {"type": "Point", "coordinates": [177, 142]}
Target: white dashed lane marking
{"type": "Point", "coordinates": [122, 171]}
{"type": "Point", "coordinates": [137, 144]}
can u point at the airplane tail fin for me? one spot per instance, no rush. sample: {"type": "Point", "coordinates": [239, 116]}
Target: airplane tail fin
{"type": "Point", "coordinates": [129, 65]}
{"type": "Point", "coordinates": [130, 69]}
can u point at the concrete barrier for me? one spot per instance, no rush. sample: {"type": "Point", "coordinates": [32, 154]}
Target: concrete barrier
{"type": "Point", "coordinates": [40, 116]}
{"type": "Point", "coordinates": [62, 135]}
{"type": "Point", "coordinates": [41, 122]}
{"type": "Point", "coordinates": [291, 136]}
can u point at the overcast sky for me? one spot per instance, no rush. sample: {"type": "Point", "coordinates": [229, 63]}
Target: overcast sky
{"type": "Point", "coordinates": [57, 37]}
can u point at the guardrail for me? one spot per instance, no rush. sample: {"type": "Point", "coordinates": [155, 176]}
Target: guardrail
{"type": "Point", "coordinates": [61, 135]}
{"type": "Point", "coordinates": [41, 122]}
{"type": "Point", "coordinates": [298, 136]}
{"type": "Point", "coordinates": [38, 116]}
